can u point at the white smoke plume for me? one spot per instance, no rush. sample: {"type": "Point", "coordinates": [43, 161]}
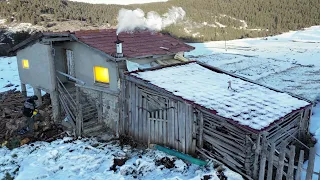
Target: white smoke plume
{"type": "Point", "coordinates": [131, 20]}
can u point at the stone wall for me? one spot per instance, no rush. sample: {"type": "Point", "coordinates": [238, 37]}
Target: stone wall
{"type": "Point", "coordinates": [110, 105]}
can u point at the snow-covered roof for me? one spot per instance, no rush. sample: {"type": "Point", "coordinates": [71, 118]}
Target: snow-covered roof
{"type": "Point", "coordinates": [247, 103]}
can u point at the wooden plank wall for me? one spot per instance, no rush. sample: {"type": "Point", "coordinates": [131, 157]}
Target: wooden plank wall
{"type": "Point", "coordinates": [285, 130]}
{"type": "Point", "coordinates": [171, 124]}
{"type": "Point", "coordinates": [226, 142]}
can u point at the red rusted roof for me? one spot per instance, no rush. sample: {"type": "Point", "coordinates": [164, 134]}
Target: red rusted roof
{"type": "Point", "coordinates": [135, 44]}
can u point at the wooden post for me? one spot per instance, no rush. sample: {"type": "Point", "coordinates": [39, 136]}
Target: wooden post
{"type": "Point", "coordinates": [263, 157]}
{"type": "Point", "coordinates": [149, 128]}
{"type": "Point", "coordinates": [270, 162]}
{"type": "Point", "coordinates": [281, 162]}
{"type": "Point", "coordinates": [247, 162]}
{"type": "Point", "coordinates": [24, 90]}
{"type": "Point", "coordinates": [300, 163]}
{"type": "Point", "coordinates": [194, 132]}
{"type": "Point", "coordinates": [256, 158]}
{"type": "Point", "coordinates": [37, 92]}
{"type": "Point", "coordinates": [171, 124]}
{"type": "Point", "coordinates": [145, 118]}
{"type": "Point", "coordinates": [291, 163]}
{"type": "Point", "coordinates": [79, 117]}
{"type": "Point", "coordinates": [312, 154]}
{"type": "Point", "coordinates": [302, 125]}
{"type": "Point", "coordinates": [200, 140]}
{"type": "Point", "coordinates": [189, 130]}
{"type": "Point", "coordinates": [54, 96]}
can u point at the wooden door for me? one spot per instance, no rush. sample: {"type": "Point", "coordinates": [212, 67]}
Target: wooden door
{"type": "Point", "coordinates": [158, 127]}
{"type": "Point", "coordinates": [70, 63]}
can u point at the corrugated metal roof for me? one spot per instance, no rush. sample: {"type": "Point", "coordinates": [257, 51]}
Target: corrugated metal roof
{"type": "Point", "coordinates": [135, 44]}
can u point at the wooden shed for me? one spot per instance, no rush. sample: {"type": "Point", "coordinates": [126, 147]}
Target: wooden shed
{"type": "Point", "coordinates": [199, 109]}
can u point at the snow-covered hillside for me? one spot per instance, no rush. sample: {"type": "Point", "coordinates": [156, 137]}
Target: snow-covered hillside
{"type": "Point", "coordinates": [289, 62]}
{"type": "Point", "coordinates": [120, 2]}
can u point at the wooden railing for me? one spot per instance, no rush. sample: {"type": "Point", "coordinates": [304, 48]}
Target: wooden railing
{"type": "Point", "coordinates": [71, 106]}
{"type": "Point", "coordinates": [283, 164]}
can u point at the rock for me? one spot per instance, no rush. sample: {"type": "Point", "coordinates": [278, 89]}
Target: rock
{"type": "Point", "coordinates": [24, 141]}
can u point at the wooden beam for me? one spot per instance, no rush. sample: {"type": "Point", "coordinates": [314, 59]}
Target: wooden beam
{"type": "Point", "coordinates": [46, 40]}
{"type": "Point", "coordinates": [290, 171]}
{"type": "Point", "coordinates": [300, 164]}
{"type": "Point", "coordinates": [200, 140]}
{"type": "Point", "coordinates": [256, 158]}
{"type": "Point", "coordinates": [79, 117]}
{"type": "Point", "coordinates": [263, 157]}
{"type": "Point", "coordinates": [73, 78]}
{"type": "Point", "coordinates": [312, 154]}
{"type": "Point", "coordinates": [270, 162]}
{"type": "Point", "coordinates": [281, 162]}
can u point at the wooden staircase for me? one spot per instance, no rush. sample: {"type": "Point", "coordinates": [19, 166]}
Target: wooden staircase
{"type": "Point", "coordinates": [89, 124]}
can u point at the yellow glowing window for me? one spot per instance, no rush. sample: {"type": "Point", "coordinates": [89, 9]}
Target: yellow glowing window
{"type": "Point", "coordinates": [25, 64]}
{"type": "Point", "coordinates": [101, 74]}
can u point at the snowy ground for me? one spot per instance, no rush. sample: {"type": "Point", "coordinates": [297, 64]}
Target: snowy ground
{"type": "Point", "coordinates": [9, 76]}
{"type": "Point", "coordinates": [122, 2]}
{"type": "Point", "coordinates": [289, 62]}
{"type": "Point", "coordinates": [89, 159]}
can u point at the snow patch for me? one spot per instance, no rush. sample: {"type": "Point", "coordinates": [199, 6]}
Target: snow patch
{"type": "Point", "coordinates": [289, 61]}
{"type": "Point", "coordinates": [89, 159]}
{"type": "Point", "coordinates": [3, 21]}
{"type": "Point", "coordinates": [197, 34]}
{"type": "Point", "coordinates": [9, 75]}
{"type": "Point", "coordinates": [220, 25]}
{"type": "Point", "coordinates": [187, 30]}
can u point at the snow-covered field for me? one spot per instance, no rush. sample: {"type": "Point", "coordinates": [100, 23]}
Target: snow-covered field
{"type": "Point", "coordinates": [89, 159]}
{"type": "Point", "coordinates": [120, 2]}
{"type": "Point", "coordinates": [9, 76]}
{"type": "Point", "coordinates": [290, 62]}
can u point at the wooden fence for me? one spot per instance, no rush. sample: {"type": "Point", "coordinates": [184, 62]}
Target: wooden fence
{"type": "Point", "coordinates": [285, 163]}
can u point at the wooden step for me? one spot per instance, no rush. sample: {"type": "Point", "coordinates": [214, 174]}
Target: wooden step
{"type": "Point", "coordinates": [93, 128]}
{"type": "Point", "coordinates": [89, 110]}
{"type": "Point", "coordinates": [90, 116]}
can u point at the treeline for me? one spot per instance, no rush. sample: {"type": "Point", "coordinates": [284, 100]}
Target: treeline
{"type": "Point", "coordinates": [271, 16]}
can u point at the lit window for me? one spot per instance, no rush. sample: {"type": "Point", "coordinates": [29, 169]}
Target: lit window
{"type": "Point", "coordinates": [25, 64]}
{"type": "Point", "coordinates": [101, 74]}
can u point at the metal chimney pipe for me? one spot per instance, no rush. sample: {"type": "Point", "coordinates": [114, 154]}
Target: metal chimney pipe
{"type": "Point", "coordinates": [119, 53]}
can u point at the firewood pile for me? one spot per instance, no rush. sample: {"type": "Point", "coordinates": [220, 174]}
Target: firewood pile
{"type": "Point", "coordinates": [12, 120]}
